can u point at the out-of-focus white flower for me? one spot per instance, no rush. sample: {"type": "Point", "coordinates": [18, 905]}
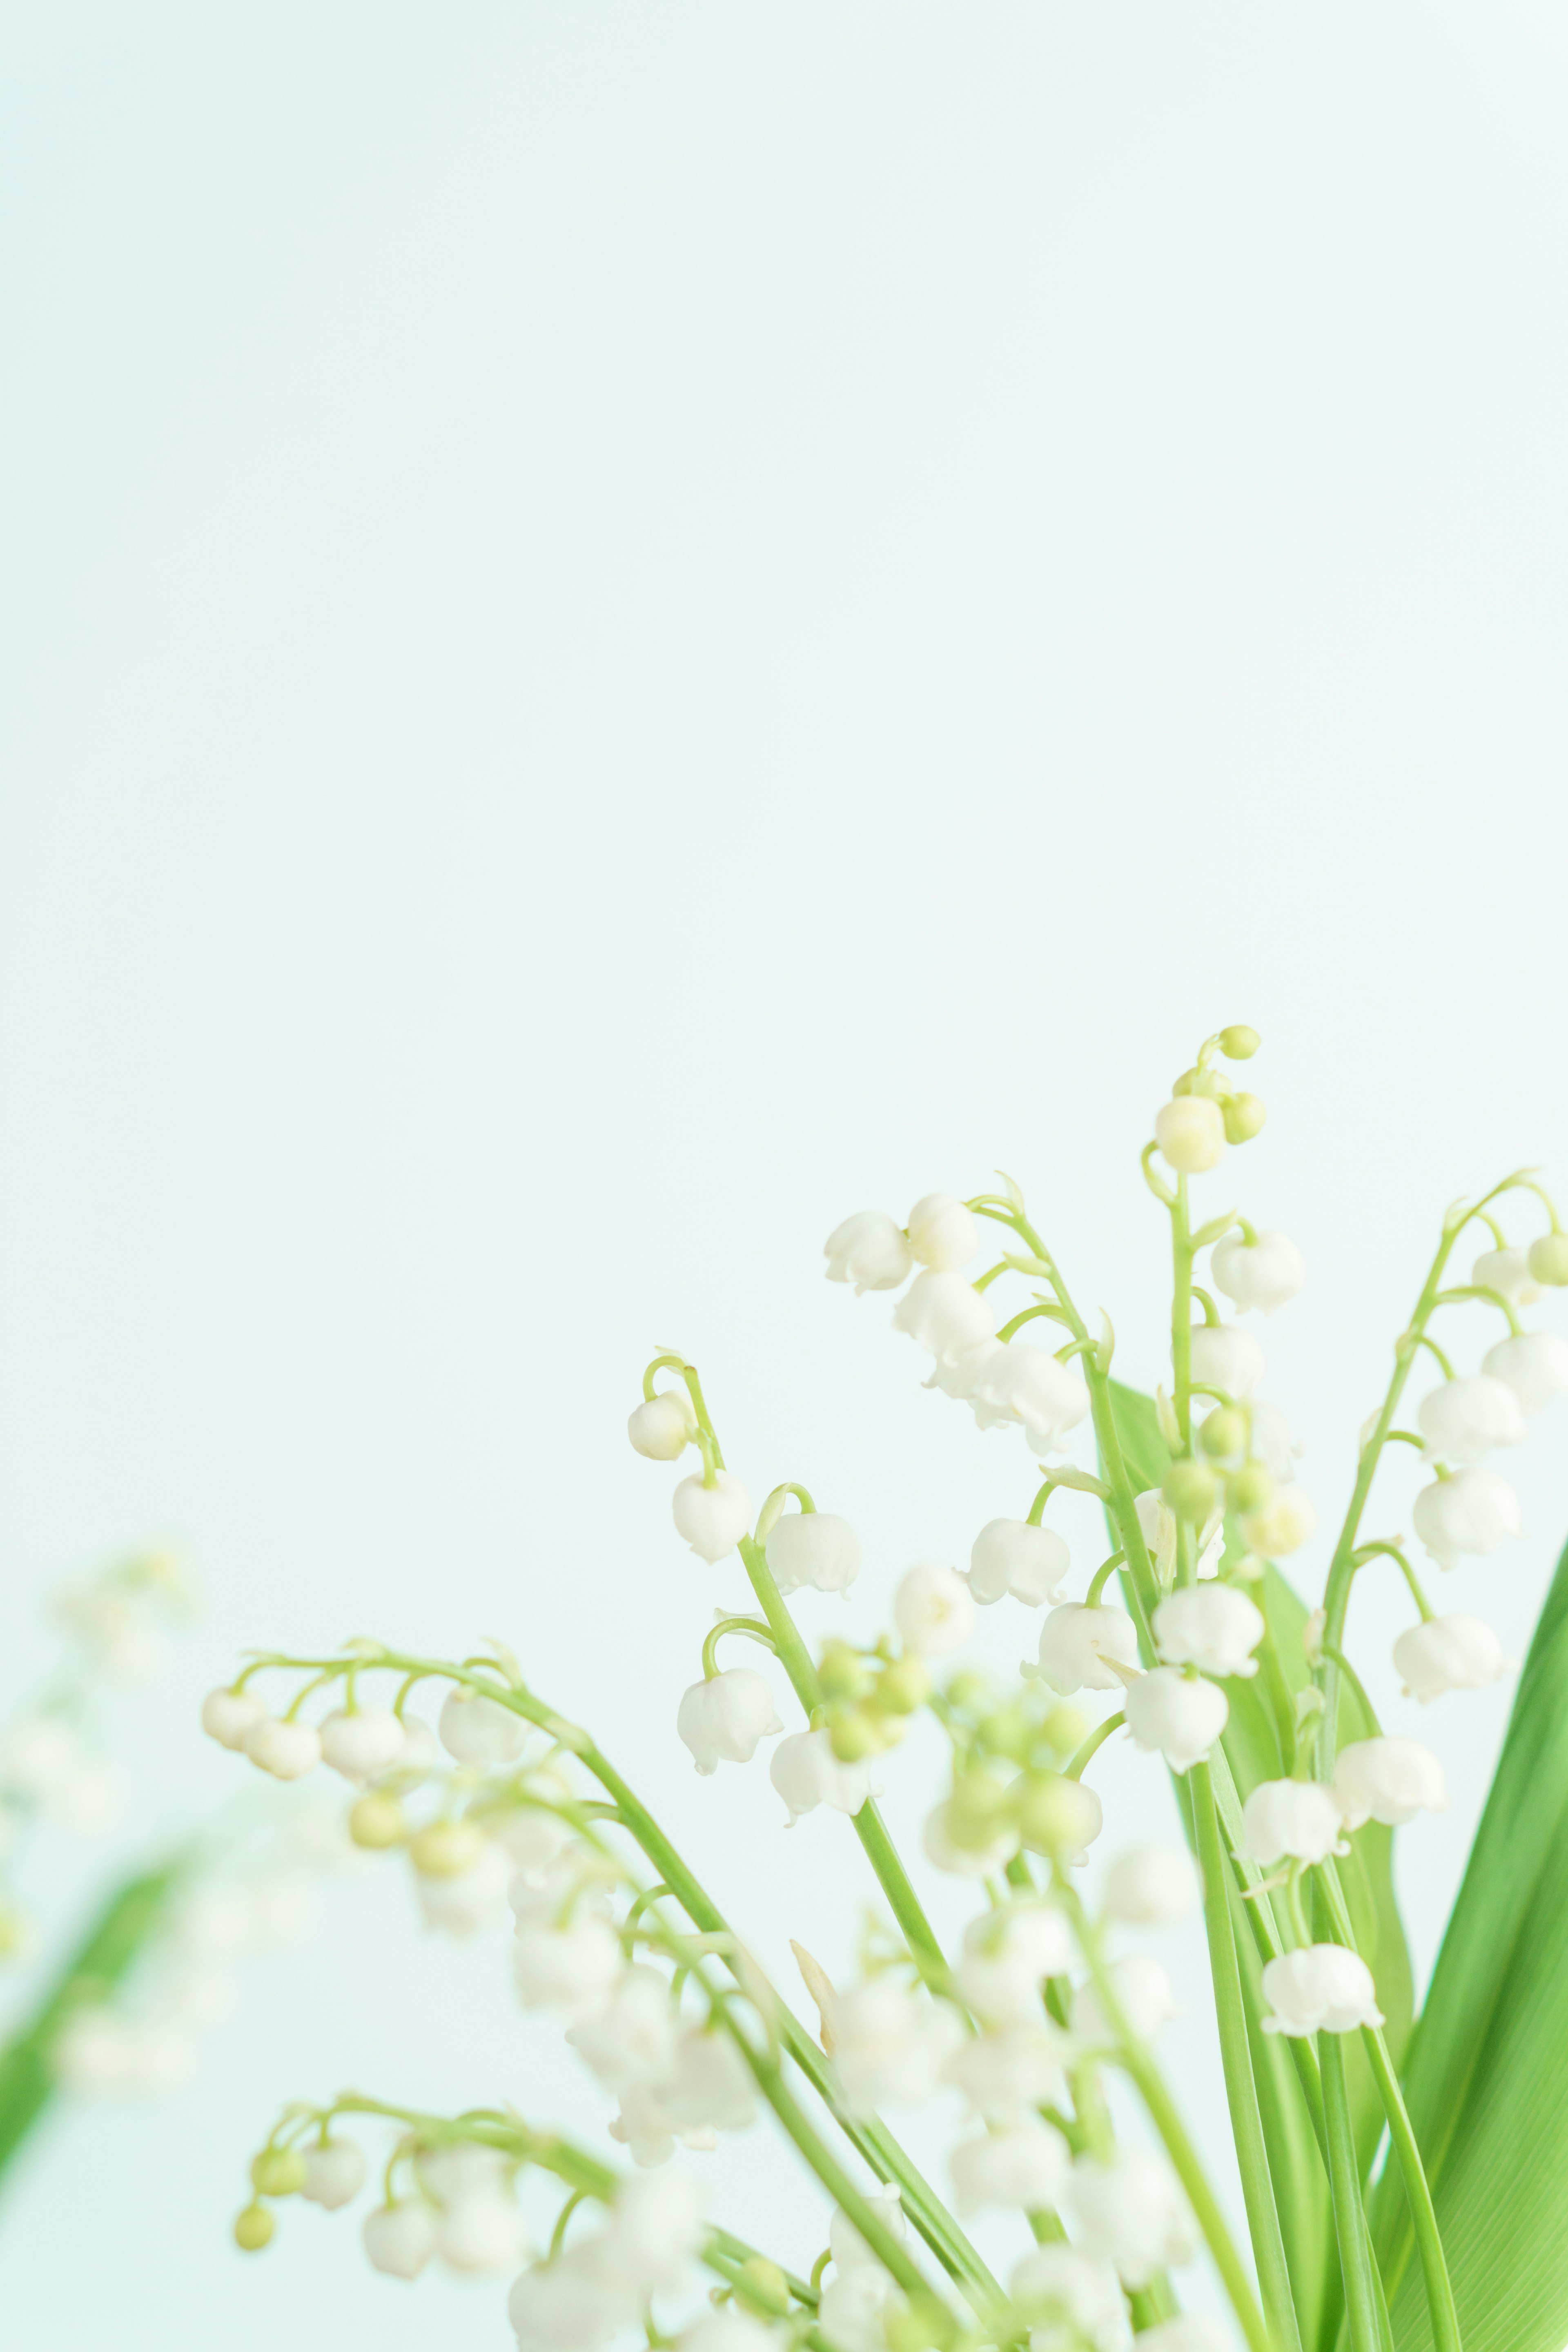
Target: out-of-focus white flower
{"type": "Point", "coordinates": [1132, 2213]}
{"type": "Point", "coordinates": [360, 1745]}
{"type": "Point", "coordinates": [1188, 2331]}
{"type": "Point", "coordinates": [1023, 2168]}
{"type": "Point", "coordinates": [1180, 1716]}
{"type": "Point", "coordinates": [1158, 1522]}
{"type": "Point", "coordinates": [1018, 1383]}
{"type": "Point", "coordinates": [633, 2039]}
{"type": "Point", "coordinates": [1143, 1993]}
{"type": "Point", "coordinates": [1322, 1989]}
{"type": "Point", "coordinates": [471, 1902]}
{"type": "Point", "coordinates": [1449, 1654]}
{"type": "Point", "coordinates": [656, 2229]}
{"type": "Point", "coordinates": [932, 1609]}
{"type": "Point", "coordinates": [891, 2044]}
{"type": "Point", "coordinates": [1389, 1780]}
{"type": "Point", "coordinates": [1282, 1526]}
{"type": "Point", "coordinates": [1465, 1419]}
{"type": "Point", "coordinates": [1473, 1511]}
{"type": "Point", "coordinates": [1189, 1131]}
{"type": "Point", "coordinates": [287, 1750]}
{"type": "Point", "coordinates": [731, 2330]}
{"type": "Point", "coordinates": [1264, 1273]}
{"type": "Point", "coordinates": [1225, 1357]}
{"type": "Point", "coordinates": [712, 1518]}
{"type": "Point", "coordinates": [531, 1838]}
{"type": "Point", "coordinates": [479, 1731]}
{"type": "Point", "coordinates": [867, 1250]}
{"type": "Point", "coordinates": [944, 1315]}
{"type": "Point", "coordinates": [1508, 1271]}
{"type": "Point", "coordinates": [479, 2226]}
{"type": "Point", "coordinates": [400, 2238]}
{"type": "Point", "coordinates": [945, 1853]}
{"type": "Point", "coordinates": [228, 1715]}
{"type": "Point", "coordinates": [414, 1761]}
{"type": "Point", "coordinates": [1299, 1819]}
{"type": "Point", "coordinates": [1076, 1642]}
{"type": "Point", "coordinates": [1534, 1365]}
{"type": "Point", "coordinates": [724, 1716]}
{"type": "Point", "coordinates": [850, 2312]}
{"type": "Point", "coordinates": [663, 1426]}
{"type": "Point", "coordinates": [88, 1801]}
{"type": "Point", "coordinates": [1007, 1955]}
{"type": "Point", "coordinates": [813, 1547]}
{"type": "Point", "coordinates": [1153, 1885]}
{"type": "Point", "coordinates": [101, 2054]}
{"type": "Point", "coordinates": [1009, 2071]}
{"type": "Point", "coordinates": [806, 1774]}
{"type": "Point", "coordinates": [1212, 1626]}
{"type": "Point", "coordinates": [845, 2244]}
{"type": "Point", "coordinates": [40, 1754]}
{"type": "Point", "coordinates": [571, 1969]}
{"type": "Point", "coordinates": [1272, 1441]}
{"type": "Point", "coordinates": [334, 2173]}
{"type": "Point", "coordinates": [1070, 2301]}
{"type": "Point", "coordinates": [1010, 1556]}
{"type": "Point", "coordinates": [943, 1233]}
{"type": "Point", "coordinates": [575, 2304]}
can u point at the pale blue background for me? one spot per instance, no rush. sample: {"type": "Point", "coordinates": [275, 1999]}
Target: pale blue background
{"type": "Point", "coordinates": [631, 627]}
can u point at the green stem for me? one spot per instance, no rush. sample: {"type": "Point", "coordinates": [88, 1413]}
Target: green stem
{"type": "Point", "coordinates": [1344, 2182]}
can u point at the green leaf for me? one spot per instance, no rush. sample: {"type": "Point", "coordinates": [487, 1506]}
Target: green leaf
{"type": "Point", "coordinates": [1486, 2076]}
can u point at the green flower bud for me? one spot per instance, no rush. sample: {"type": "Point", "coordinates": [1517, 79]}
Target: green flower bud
{"type": "Point", "coordinates": [1225, 1433]}
{"type": "Point", "coordinates": [1200, 1082]}
{"type": "Point", "coordinates": [1189, 1490]}
{"type": "Point", "coordinates": [978, 1812]}
{"type": "Point", "coordinates": [276, 2172]}
{"type": "Point", "coordinates": [1066, 1728]}
{"type": "Point", "coordinates": [1053, 1815]}
{"type": "Point", "coordinates": [376, 1822]}
{"type": "Point", "coordinates": [763, 2284]}
{"type": "Point", "coordinates": [446, 1849]}
{"type": "Point", "coordinates": [1249, 1488]}
{"type": "Point", "coordinates": [843, 1674]}
{"type": "Point", "coordinates": [904, 1685]}
{"type": "Point", "coordinates": [1008, 1732]}
{"type": "Point", "coordinates": [853, 1735]}
{"type": "Point", "coordinates": [1239, 1042]}
{"type": "Point", "coordinates": [253, 2228]}
{"type": "Point", "coordinates": [1244, 1116]}
{"type": "Point", "coordinates": [967, 1690]}
{"type": "Point", "coordinates": [1549, 1259]}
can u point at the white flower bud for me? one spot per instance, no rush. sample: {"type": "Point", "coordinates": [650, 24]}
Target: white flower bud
{"type": "Point", "coordinates": [813, 1547]}
{"type": "Point", "coordinates": [712, 1518]}
{"type": "Point", "coordinates": [1296, 1819]}
{"type": "Point", "coordinates": [867, 1250]}
{"type": "Point", "coordinates": [1189, 1131]}
{"type": "Point", "coordinates": [1075, 1640]}
{"type": "Point", "coordinates": [932, 1609]}
{"type": "Point", "coordinates": [1024, 2166]}
{"type": "Point", "coordinates": [943, 1233]}
{"type": "Point", "coordinates": [1322, 1989]}
{"type": "Point", "coordinates": [944, 1851]}
{"type": "Point", "coordinates": [847, 2247]}
{"type": "Point", "coordinates": [360, 1745]}
{"type": "Point", "coordinates": [1158, 1522]}
{"type": "Point", "coordinates": [1225, 1357]}
{"type": "Point", "coordinates": [1010, 1556]}
{"type": "Point", "coordinates": [1005, 2074]}
{"type": "Point", "coordinates": [891, 2044]}
{"type": "Point", "coordinates": [287, 1750]}
{"type": "Point", "coordinates": [1473, 1511]}
{"type": "Point", "coordinates": [400, 2238]}
{"type": "Point", "coordinates": [1069, 2300]}
{"type": "Point", "coordinates": [1508, 1271]}
{"type": "Point", "coordinates": [479, 1731]}
{"type": "Point", "coordinates": [1264, 1273]}
{"type": "Point", "coordinates": [1153, 1885]}
{"type": "Point", "coordinates": [1449, 1654]}
{"type": "Point", "coordinates": [1007, 1955]}
{"type": "Point", "coordinates": [1144, 1994]}
{"type": "Point", "coordinates": [944, 1315]}
{"type": "Point", "coordinates": [1189, 2332]}
{"type": "Point", "coordinates": [724, 1717]}
{"type": "Point", "coordinates": [1283, 1525]}
{"type": "Point", "coordinates": [1534, 1364]}
{"type": "Point", "coordinates": [571, 1971]}
{"type": "Point", "coordinates": [228, 1715]}
{"type": "Point", "coordinates": [1182, 1717]}
{"type": "Point", "coordinates": [1213, 1626]}
{"type": "Point", "coordinates": [806, 1774]}
{"type": "Point", "coordinates": [1132, 2213]}
{"type": "Point", "coordinates": [663, 1426]}
{"type": "Point", "coordinates": [1465, 1420]}
{"type": "Point", "coordinates": [852, 2309]}
{"type": "Point", "coordinates": [1388, 1780]}
{"type": "Point", "coordinates": [334, 2173]}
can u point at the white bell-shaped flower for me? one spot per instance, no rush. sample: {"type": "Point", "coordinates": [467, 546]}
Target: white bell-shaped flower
{"type": "Point", "coordinates": [1007, 1955]}
{"type": "Point", "coordinates": [1081, 1647]}
{"type": "Point", "coordinates": [1263, 1274]}
{"type": "Point", "coordinates": [845, 2244]}
{"type": "Point", "coordinates": [712, 1518]}
{"type": "Point", "coordinates": [472, 1901]}
{"type": "Point", "coordinates": [1189, 1131]}
{"type": "Point", "coordinates": [1132, 2213]}
{"type": "Point", "coordinates": [1389, 1780]}
{"type": "Point", "coordinates": [1321, 1989]}
{"type": "Point", "coordinates": [334, 2173]}
{"type": "Point", "coordinates": [287, 1750]}
{"type": "Point", "coordinates": [1070, 2301]}
{"type": "Point", "coordinates": [632, 2040]}
{"type": "Point", "coordinates": [663, 1426]}
{"type": "Point", "coordinates": [360, 1745]}
{"type": "Point", "coordinates": [1534, 1364]}
{"type": "Point", "coordinates": [228, 1715]}
{"type": "Point", "coordinates": [414, 1760]}
{"type": "Point", "coordinates": [1153, 1885]}
{"type": "Point", "coordinates": [723, 1716]}
{"type": "Point", "coordinates": [1465, 1419]}
{"type": "Point", "coordinates": [1181, 1716]}
{"type": "Point", "coordinates": [806, 1774]}
{"type": "Point", "coordinates": [1213, 1626]}
{"type": "Point", "coordinates": [943, 1233]}
{"type": "Point", "coordinates": [932, 1609]}
{"type": "Point", "coordinates": [571, 1969]}
{"type": "Point", "coordinates": [710, 2088]}
{"type": "Point", "coordinates": [656, 2230]}
{"type": "Point", "coordinates": [1023, 2168]}
{"type": "Point", "coordinates": [1159, 1524]}
{"type": "Point", "coordinates": [575, 2304]}
{"type": "Point", "coordinates": [1009, 2071]}
{"type": "Point", "coordinates": [815, 1548]}
{"type": "Point", "coordinates": [850, 2312]}
{"type": "Point", "coordinates": [1474, 1511]}
{"type": "Point", "coordinates": [1020, 1383]}
{"type": "Point", "coordinates": [1283, 1525]}
{"type": "Point", "coordinates": [944, 1315]}
{"type": "Point", "coordinates": [867, 1250]}
{"type": "Point", "coordinates": [1296, 1819]}
{"type": "Point", "coordinates": [1508, 1271]}
{"type": "Point", "coordinates": [1225, 1357]}
{"type": "Point", "coordinates": [1273, 1441]}
{"type": "Point", "coordinates": [944, 1851]}
{"type": "Point", "coordinates": [1142, 1992]}
{"type": "Point", "coordinates": [1010, 1556]}
{"type": "Point", "coordinates": [891, 2044]}
{"type": "Point", "coordinates": [479, 1731]}
{"type": "Point", "coordinates": [400, 2238]}
{"type": "Point", "coordinates": [482, 2233]}
{"type": "Point", "coordinates": [1449, 1654]}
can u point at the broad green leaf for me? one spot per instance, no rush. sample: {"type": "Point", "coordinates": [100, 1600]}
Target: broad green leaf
{"type": "Point", "coordinates": [1486, 2076]}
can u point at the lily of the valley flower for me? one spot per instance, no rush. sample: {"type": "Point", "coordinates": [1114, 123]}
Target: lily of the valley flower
{"type": "Point", "coordinates": [944, 1315]}
{"type": "Point", "coordinates": [891, 2044]}
{"type": "Point", "coordinates": [1081, 1647]}
{"type": "Point", "coordinates": [362, 1745]}
{"type": "Point", "coordinates": [1132, 2213]}
{"type": "Point", "coordinates": [1213, 1626]}
{"type": "Point", "coordinates": [1465, 1420]}
{"type": "Point", "coordinates": [1389, 1780]}
{"type": "Point", "coordinates": [869, 1251]}
{"type": "Point", "coordinates": [1225, 1357]}
{"type": "Point", "coordinates": [1159, 1524]}
{"type": "Point", "coordinates": [1264, 1273]}
{"type": "Point", "coordinates": [1189, 1131]}
{"type": "Point", "coordinates": [1321, 1989]}
{"type": "Point", "coordinates": [1283, 1525]}
{"type": "Point", "coordinates": [1449, 1654]}
{"type": "Point", "coordinates": [712, 1518]}
{"type": "Point", "coordinates": [932, 1609]}
{"type": "Point", "coordinates": [1300, 1819]}
{"type": "Point", "coordinates": [1534, 1364]}
{"type": "Point", "coordinates": [815, 1548]}
{"type": "Point", "coordinates": [1069, 2300]}
{"type": "Point", "coordinates": [1024, 2166]}
{"type": "Point", "coordinates": [1143, 1993]}
{"type": "Point", "coordinates": [663, 1426]}
{"type": "Point", "coordinates": [943, 1233]}
{"type": "Point", "coordinates": [1180, 1716]}
{"type": "Point", "coordinates": [1009, 2071]}
{"type": "Point", "coordinates": [1474, 1511]}
{"type": "Point", "coordinates": [1508, 1271]}
{"type": "Point", "coordinates": [1010, 1556]}
{"type": "Point", "coordinates": [1017, 1382]}
{"type": "Point", "coordinates": [287, 1750]}
{"type": "Point", "coordinates": [479, 1731]}
{"type": "Point", "coordinates": [1153, 1885]}
{"type": "Point", "coordinates": [1007, 1955]}
{"type": "Point", "coordinates": [722, 1717]}
{"type": "Point", "coordinates": [806, 1774]}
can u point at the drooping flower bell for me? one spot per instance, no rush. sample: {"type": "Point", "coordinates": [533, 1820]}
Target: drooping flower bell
{"type": "Point", "coordinates": [1008, 2072]}
{"type": "Point", "coordinates": [869, 1251]}
{"type": "Point", "coordinates": [1189, 1131]}
{"type": "Point", "coordinates": [1007, 1955]}
{"type": "Point", "coordinates": [891, 2044]}
{"type": "Point", "coordinates": [1132, 2213]}
{"type": "Point", "coordinates": [1213, 1626]}
{"type": "Point", "coordinates": [1449, 1654]}
{"type": "Point", "coordinates": [932, 1609]}
{"type": "Point", "coordinates": [479, 1731]}
{"type": "Point", "coordinates": [228, 1715]}
{"type": "Point", "coordinates": [1298, 1820]}
{"type": "Point", "coordinates": [944, 1315]}
{"type": "Point", "coordinates": [1508, 1272]}
{"type": "Point", "coordinates": [723, 1716]}
{"type": "Point", "coordinates": [943, 1233]}
{"type": "Point", "coordinates": [663, 1426]}
{"type": "Point", "coordinates": [1465, 1419]}
{"type": "Point", "coordinates": [1153, 1885]}
{"type": "Point", "coordinates": [1010, 1556]}
{"type": "Point", "coordinates": [287, 1750]}
{"type": "Point", "coordinates": [815, 1548]}
{"type": "Point", "coordinates": [1024, 2166]}
{"type": "Point", "coordinates": [1389, 1780]}
{"type": "Point", "coordinates": [360, 1745]}
{"type": "Point", "coordinates": [1225, 1357]}
{"type": "Point", "coordinates": [334, 2173]}
{"type": "Point", "coordinates": [1283, 1524]}
{"type": "Point", "coordinates": [1180, 1716]}
{"type": "Point", "coordinates": [1081, 1647]}
{"type": "Point", "coordinates": [1143, 1993]}
{"type": "Point", "coordinates": [1474, 1511]}
{"type": "Point", "coordinates": [1069, 2300]}
{"type": "Point", "coordinates": [712, 1518]}
{"type": "Point", "coordinates": [1264, 1273]}
{"type": "Point", "coordinates": [571, 1969]}
{"type": "Point", "coordinates": [1534, 1364]}
{"type": "Point", "coordinates": [400, 2238]}
{"type": "Point", "coordinates": [806, 1773]}
{"type": "Point", "coordinates": [1017, 1382]}
{"type": "Point", "coordinates": [1320, 1988]}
